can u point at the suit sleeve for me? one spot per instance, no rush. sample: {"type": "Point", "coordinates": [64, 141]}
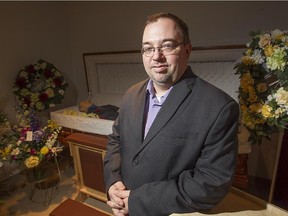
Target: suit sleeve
{"type": "Point", "coordinates": [200, 187]}
{"type": "Point", "coordinates": [112, 159]}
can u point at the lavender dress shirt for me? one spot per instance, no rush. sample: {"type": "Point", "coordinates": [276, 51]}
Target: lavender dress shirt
{"type": "Point", "coordinates": [153, 105]}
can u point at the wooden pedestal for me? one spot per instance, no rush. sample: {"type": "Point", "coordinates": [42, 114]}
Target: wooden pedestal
{"type": "Point", "coordinates": [88, 152]}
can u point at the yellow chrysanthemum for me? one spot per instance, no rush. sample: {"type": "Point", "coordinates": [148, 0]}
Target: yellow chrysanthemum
{"type": "Point", "coordinates": [249, 52]}
{"type": "Point", "coordinates": [246, 60]}
{"type": "Point", "coordinates": [7, 150]}
{"type": "Point", "coordinates": [256, 107]}
{"type": "Point", "coordinates": [268, 51]}
{"type": "Point", "coordinates": [32, 161]}
{"type": "Point", "coordinates": [44, 150]}
{"type": "Point", "coordinates": [251, 90]}
{"type": "Point", "coordinates": [266, 111]}
{"type": "Point", "coordinates": [244, 108]}
{"type": "Point", "coordinates": [244, 86]}
{"type": "Point", "coordinates": [247, 120]}
{"type": "Point", "coordinates": [247, 78]}
{"type": "Point", "coordinates": [252, 98]}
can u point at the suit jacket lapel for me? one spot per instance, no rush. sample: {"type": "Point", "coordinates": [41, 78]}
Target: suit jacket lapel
{"type": "Point", "coordinates": [138, 107]}
{"type": "Point", "coordinates": [174, 100]}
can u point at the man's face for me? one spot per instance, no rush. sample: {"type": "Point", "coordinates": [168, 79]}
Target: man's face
{"type": "Point", "coordinates": [165, 70]}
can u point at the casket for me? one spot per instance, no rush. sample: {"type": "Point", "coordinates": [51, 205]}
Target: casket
{"type": "Point", "coordinates": [109, 75]}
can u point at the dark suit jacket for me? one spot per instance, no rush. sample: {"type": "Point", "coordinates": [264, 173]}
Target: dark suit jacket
{"type": "Point", "coordinates": [187, 160]}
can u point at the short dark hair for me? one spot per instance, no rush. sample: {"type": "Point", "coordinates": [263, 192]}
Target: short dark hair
{"type": "Point", "coordinates": [181, 24]}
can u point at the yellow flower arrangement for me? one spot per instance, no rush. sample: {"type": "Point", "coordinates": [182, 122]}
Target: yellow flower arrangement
{"type": "Point", "coordinates": [263, 90]}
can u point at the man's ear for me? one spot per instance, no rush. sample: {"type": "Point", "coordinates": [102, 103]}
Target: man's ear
{"type": "Point", "coordinates": [188, 49]}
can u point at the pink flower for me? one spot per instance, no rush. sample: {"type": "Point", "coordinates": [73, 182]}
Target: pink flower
{"type": "Point", "coordinates": [33, 151]}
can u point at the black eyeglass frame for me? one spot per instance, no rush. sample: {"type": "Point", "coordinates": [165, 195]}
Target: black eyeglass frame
{"type": "Point", "coordinates": [161, 49]}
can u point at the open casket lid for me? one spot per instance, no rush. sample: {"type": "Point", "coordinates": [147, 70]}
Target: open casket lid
{"type": "Point", "coordinates": [109, 75]}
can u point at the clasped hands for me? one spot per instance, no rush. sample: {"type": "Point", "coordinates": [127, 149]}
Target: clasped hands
{"type": "Point", "coordinates": [118, 199]}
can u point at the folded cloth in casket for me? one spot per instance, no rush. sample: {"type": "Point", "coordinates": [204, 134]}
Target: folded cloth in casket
{"type": "Point", "coordinates": [109, 112]}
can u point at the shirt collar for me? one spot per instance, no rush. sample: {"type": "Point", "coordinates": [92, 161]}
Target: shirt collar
{"type": "Point", "coordinates": [150, 89]}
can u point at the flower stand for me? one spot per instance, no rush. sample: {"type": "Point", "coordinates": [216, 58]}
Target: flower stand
{"type": "Point", "coordinates": [43, 188]}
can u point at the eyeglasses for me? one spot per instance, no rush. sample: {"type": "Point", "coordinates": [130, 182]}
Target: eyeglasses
{"type": "Point", "coordinates": [166, 49]}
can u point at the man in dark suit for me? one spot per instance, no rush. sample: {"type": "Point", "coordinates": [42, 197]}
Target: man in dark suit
{"type": "Point", "coordinates": [174, 144]}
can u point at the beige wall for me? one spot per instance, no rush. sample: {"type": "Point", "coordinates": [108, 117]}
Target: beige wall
{"type": "Point", "coordinates": [116, 26]}
{"type": "Point", "coordinates": [30, 31]}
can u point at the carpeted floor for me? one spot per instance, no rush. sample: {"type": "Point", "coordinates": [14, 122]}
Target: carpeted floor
{"type": "Point", "coordinates": [17, 202]}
